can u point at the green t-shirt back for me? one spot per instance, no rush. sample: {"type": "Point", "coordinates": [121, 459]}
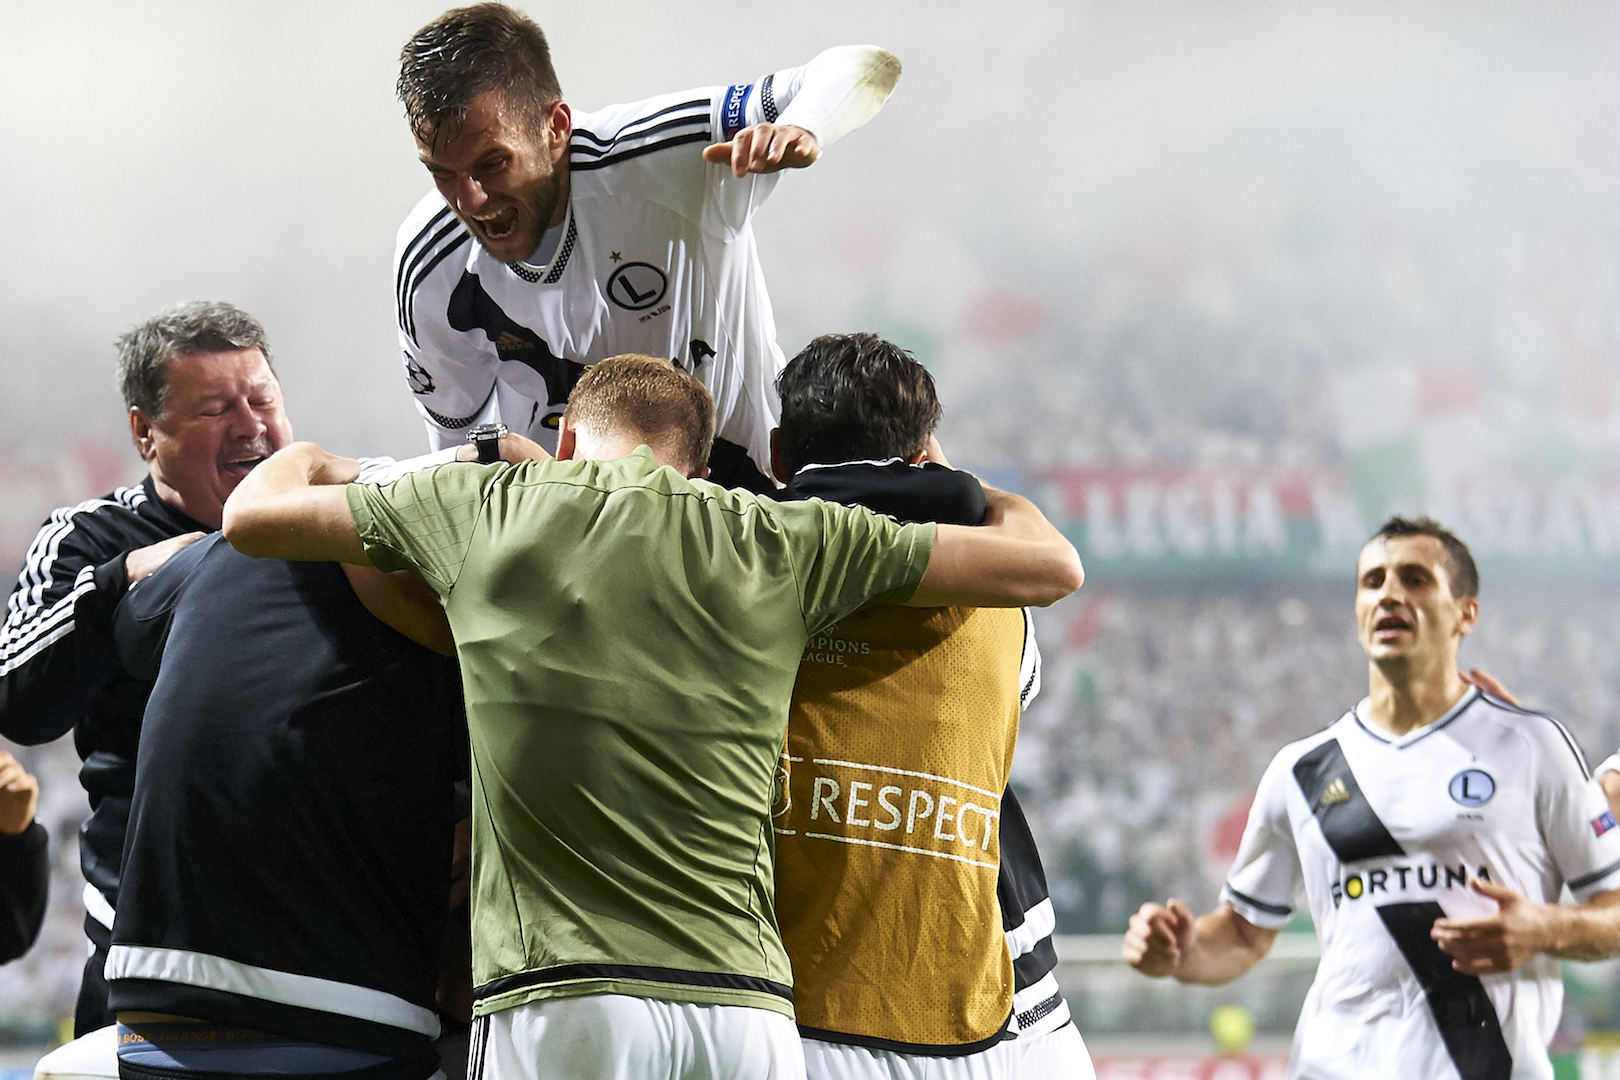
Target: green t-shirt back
{"type": "Point", "coordinates": [628, 642]}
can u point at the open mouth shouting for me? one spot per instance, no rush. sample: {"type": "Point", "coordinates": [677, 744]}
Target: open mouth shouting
{"type": "Point", "coordinates": [238, 461]}
{"type": "Point", "coordinates": [499, 225]}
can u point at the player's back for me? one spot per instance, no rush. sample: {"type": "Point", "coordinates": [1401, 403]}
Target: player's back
{"type": "Point", "coordinates": [888, 830]}
{"type": "Point", "coordinates": [889, 845]}
{"type": "Point", "coordinates": [296, 776]}
{"type": "Point", "coordinates": [1385, 834]}
{"type": "Point", "coordinates": [629, 640]}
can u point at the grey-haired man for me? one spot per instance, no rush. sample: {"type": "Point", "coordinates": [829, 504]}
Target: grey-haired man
{"type": "Point", "coordinates": [204, 407]}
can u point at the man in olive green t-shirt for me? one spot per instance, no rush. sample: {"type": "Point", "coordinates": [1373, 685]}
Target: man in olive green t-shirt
{"type": "Point", "coordinates": [629, 639]}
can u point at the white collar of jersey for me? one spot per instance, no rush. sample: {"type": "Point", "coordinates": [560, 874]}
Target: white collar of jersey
{"type": "Point", "coordinates": [1402, 742]}
{"type": "Point", "coordinates": [841, 464]}
{"type": "Point", "coordinates": [558, 256]}
{"type": "Point", "coordinates": [540, 258]}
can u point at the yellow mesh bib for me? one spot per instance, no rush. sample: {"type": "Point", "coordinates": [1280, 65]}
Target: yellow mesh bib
{"type": "Point", "coordinates": [899, 742]}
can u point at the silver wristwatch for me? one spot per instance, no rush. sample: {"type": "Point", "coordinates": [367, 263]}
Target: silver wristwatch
{"type": "Point", "coordinates": [487, 437]}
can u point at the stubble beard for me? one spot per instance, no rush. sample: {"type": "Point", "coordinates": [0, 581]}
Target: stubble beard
{"type": "Point", "coordinates": [542, 203]}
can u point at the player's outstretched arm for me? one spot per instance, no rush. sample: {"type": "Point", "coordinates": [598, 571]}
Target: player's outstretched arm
{"type": "Point", "coordinates": [1210, 950]}
{"type": "Point", "coordinates": [1521, 928]}
{"type": "Point", "coordinates": [842, 88]}
{"type": "Point", "coordinates": [1015, 559]}
{"type": "Point", "coordinates": [293, 506]}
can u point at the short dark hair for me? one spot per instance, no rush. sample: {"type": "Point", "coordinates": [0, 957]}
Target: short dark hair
{"type": "Point", "coordinates": [1464, 574]}
{"type": "Point", "coordinates": [201, 326]}
{"type": "Point", "coordinates": [467, 52]}
{"type": "Point", "coordinates": [651, 398]}
{"type": "Point", "coordinates": [854, 397]}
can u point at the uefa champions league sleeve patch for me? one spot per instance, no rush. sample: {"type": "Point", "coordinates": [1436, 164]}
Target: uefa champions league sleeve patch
{"type": "Point", "coordinates": [1603, 823]}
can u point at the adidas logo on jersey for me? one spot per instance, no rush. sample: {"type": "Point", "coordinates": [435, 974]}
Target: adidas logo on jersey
{"type": "Point", "coordinates": [510, 342]}
{"type": "Point", "coordinates": [1335, 792]}
{"type": "Point", "coordinates": [1401, 878]}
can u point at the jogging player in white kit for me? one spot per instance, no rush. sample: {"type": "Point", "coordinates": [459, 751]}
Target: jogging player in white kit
{"type": "Point", "coordinates": [1431, 830]}
{"type": "Point", "coordinates": [626, 230]}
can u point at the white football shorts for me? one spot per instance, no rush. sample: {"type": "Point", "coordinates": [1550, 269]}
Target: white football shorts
{"type": "Point", "coordinates": [620, 1037]}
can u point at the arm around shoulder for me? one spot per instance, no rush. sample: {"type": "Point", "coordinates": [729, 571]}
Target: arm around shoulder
{"type": "Point", "coordinates": [1015, 559]}
{"type": "Point", "coordinates": [406, 604]}
{"type": "Point", "coordinates": [294, 506]}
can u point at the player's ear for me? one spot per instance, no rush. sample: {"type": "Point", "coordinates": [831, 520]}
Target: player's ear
{"type": "Point", "coordinates": [140, 433]}
{"type": "Point", "coordinates": [567, 440]}
{"type": "Point", "coordinates": [559, 128]}
{"type": "Point", "coordinates": [776, 455]}
{"type": "Point", "coordinates": [1467, 614]}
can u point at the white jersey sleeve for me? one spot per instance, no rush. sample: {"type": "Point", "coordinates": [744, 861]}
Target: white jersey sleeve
{"type": "Point", "coordinates": [1573, 814]}
{"type": "Point", "coordinates": [835, 93]}
{"type": "Point", "coordinates": [1266, 877]}
{"type": "Point", "coordinates": [838, 91]}
{"type": "Point", "coordinates": [451, 373]}
{"type": "Point", "coordinates": [1608, 764]}
{"type": "Point", "coordinates": [385, 470]}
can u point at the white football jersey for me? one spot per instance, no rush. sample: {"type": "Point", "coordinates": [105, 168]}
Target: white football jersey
{"type": "Point", "coordinates": [1383, 835]}
{"type": "Point", "coordinates": [657, 256]}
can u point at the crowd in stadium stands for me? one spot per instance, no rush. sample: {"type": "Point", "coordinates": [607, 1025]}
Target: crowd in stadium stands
{"type": "Point", "coordinates": [1154, 383]}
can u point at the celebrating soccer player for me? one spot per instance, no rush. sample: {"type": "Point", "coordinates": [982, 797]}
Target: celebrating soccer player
{"type": "Point", "coordinates": [1431, 828]}
{"type": "Point", "coordinates": [556, 239]}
